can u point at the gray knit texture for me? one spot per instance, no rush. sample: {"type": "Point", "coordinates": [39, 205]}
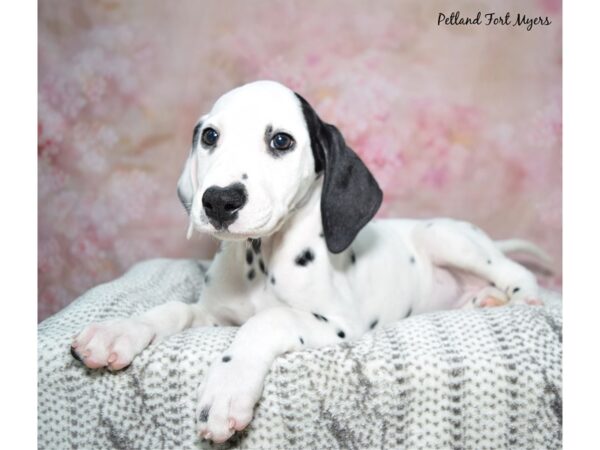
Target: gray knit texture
{"type": "Point", "coordinates": [479, 379]}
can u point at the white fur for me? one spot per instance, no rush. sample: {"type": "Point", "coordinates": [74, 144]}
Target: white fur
{"type": "Point", "coordinates": [401, 266]}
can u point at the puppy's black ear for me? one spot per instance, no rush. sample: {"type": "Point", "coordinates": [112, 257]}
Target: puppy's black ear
{"type": "Point", "coordinates": [350, 196]}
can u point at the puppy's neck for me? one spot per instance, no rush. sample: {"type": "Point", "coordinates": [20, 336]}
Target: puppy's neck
{"type": "Point", "coordinates": [307, 208]}
{"type": "Point", "coordinates": [303, 221]}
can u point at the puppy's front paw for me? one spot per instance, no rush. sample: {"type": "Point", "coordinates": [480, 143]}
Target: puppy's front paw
{"type": "Point", "coordinates": [111, 344]}
{"type": "Point", "coordinates": [226, 399]}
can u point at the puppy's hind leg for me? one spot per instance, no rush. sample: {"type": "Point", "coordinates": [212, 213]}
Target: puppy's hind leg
{"type": "Point", "coordinates": [460, 245]}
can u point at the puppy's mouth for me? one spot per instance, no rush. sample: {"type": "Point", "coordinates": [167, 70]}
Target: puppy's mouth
{"type": "Point", "coordinates": [234, 230]}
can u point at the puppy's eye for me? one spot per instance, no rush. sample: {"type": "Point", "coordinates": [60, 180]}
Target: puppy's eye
{"type": "Point", "coordinates": [210, 136]}
{"type": "Point", "coordinates": [282, 141]}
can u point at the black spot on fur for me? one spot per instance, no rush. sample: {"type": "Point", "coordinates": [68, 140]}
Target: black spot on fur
{"type": "Point", "coordinates": [341, 334]}
{"type": "Point", "coordinates": [515, 290]}
{"type": "Point", "coordinates": [75, 355]}
{"type": "Point", "coordinates": [352, 257]}
{"type": "Point", "coordinates": [492, 284]}
{"type": "Point", "coordinates": [261, 265]}
{"type": "Point", "coordinates": [320, 317]}
{"type": "Point", "coordinates": [226, 358]}
{"type": "Point", "coordinates": [305, 257]}
{"type": "Point", "coordinates": [268, 131]}
{"type": "Point", "coordinates": [429, 225]}
{"type": "Point", "coordinates": [251, 274]}
{"type": "Point", "coordinates": [473, 300]}
{"type": "Point", "coordinates": [256, 243]}
{"type": "Point", "coordinates": [272, 280]}
{"type": "Point", "coordinates": [489, 261]}
{"type": "Point", "coordinates": [301, 340]}
{"type": "Point", "coordinates": [244, 176]}
{"type": "Point", "coordinates": [249, 256]}
{"type": "Point", "coordinates": [204, 414]}
{"type": "Point", "coordinates": [412, 259]}
{"type": "Point", "coordinates": [374, 324]}
{"type": "Point", "coordinates": [409, 312]}
{"type": "Point", "coordinates": [206, 279]}
{"type": "Point", "coordinates": [321, 234]}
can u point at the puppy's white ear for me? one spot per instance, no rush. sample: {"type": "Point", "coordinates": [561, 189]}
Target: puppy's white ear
{"type": "Point", "coordinates": [185, 185]}
{"type": "Point", "coordinates": [188, 181]}
{"type": "Point", "coordinates": [350, 196]}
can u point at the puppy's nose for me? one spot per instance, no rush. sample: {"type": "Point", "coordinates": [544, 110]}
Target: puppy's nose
{"type": "Point", "coordinates": [221, 204]}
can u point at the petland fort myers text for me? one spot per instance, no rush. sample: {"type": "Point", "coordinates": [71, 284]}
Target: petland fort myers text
{"type": "Point", "coordinates": [507, 19]}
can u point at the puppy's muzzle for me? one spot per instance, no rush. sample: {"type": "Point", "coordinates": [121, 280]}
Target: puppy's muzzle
{"type": "Point", "coordinates": [221, 204]}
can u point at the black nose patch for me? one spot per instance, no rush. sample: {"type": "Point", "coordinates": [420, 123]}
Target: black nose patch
{"type": "Point", "coordinates": [221, 204]}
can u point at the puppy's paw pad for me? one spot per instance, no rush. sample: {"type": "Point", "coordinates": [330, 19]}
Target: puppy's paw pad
{"type": "Point", "coordinates": [488, 297]}
{"type": "Point", "coordinates": [534, 302]}
{"type": "Point", "coordinates": [492, 302]}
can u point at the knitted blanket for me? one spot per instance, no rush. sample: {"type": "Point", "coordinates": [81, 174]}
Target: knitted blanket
{"type": "Point", "coordinates": [479, 379]}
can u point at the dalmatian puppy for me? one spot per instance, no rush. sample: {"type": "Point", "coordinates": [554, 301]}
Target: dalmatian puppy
{"type": "Point", "coordinates": [301, 264]}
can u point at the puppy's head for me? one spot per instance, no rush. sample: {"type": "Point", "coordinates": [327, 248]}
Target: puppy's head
{"type": "Point", "coordinates": [255, 156]}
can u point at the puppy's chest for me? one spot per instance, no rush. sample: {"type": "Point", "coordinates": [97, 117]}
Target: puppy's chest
{"type": "Point", "coordinates": [301, 276]}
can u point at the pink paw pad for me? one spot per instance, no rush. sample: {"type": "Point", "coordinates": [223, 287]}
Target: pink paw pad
{"type": "Point", "coordinates": [490, 302]}
{"type": "Point", "coordinates": [534, 302]}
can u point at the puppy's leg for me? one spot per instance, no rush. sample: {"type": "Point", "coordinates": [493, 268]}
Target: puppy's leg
{"type": "Point", "coordinates": [457, 244]}
{"type": "Point", "coordinates": [115, 343]}
{"type": "Point", "coordinates": [234, 382]}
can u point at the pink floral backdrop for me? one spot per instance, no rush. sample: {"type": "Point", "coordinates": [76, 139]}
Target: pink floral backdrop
{"type": "Point", "coordinates": [453, 120]}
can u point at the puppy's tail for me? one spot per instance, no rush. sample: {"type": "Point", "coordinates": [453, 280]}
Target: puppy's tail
{"type": "Point", "coordinates": [523, 246]}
